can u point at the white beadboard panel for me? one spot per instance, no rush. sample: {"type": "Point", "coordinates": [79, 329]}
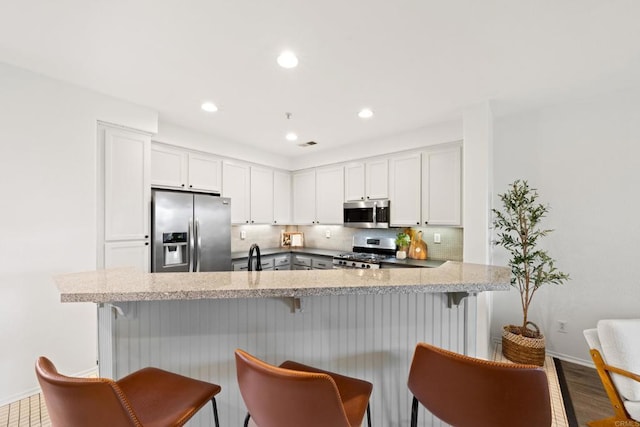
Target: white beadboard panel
{"type": "Point", "coordinates": [366, 336]}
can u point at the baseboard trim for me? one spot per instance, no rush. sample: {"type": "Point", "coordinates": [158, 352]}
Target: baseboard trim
{"type": "Point", "coordinates": [93, 372]}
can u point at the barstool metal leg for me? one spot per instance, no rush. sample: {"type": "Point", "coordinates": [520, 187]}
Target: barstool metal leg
{"type": "Point", "coordinates": [246, 420]}
{"type": "Point", "coordinates": [414, 412]}
{"type": "Point", "coordinates": [215, 411]}
{"type": "Point", "coordinates": [369, 414]}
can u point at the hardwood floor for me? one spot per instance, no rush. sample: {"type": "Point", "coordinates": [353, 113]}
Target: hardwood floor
{"type": "Point", "coordinates": [589, 399]}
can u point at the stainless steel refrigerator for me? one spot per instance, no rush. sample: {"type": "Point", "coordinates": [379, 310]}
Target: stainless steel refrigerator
{"type": "Point", "coordinates": [190, 232]}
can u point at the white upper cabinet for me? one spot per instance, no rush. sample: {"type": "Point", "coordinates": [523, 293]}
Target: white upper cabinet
{"type": "Point", "coordinates": [441, 187]}
{"type": "Point", "coordinates": [261, 195]}
{"type": "Point", "coordinates": [404, 190]}
{"type": "Point", "coordinates": [367, 180]}
{"type": "Point", "coordinates": [168, 166]}
{"type": "Point", "coordinates": [329, 195]}
{"type": "Point", "coordinates": [127, 193]}
{"type": "Point", "coordinates": [236, 185]}
{"type": "Point", "coordinates": [354, 182]}
{"type": "Point", "coordinates": [205, 173]}
{"type": "Point", "coordinates": [281, 197]}
{"type": "Point", "coordinates": [304, 197]}
{"type": "Point", "coordinates": [377, 179]}
{"type": "Point", "coordinates": [177, 168]}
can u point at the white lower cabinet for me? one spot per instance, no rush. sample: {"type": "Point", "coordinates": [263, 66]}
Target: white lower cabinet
{"type": "Point", "coordinates": [300, 262]}
{"type": "Point", "coordinates": [127, 254]}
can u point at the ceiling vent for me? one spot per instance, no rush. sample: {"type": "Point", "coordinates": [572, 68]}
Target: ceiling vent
{"type": "Point", "coordinates": [307, 144]}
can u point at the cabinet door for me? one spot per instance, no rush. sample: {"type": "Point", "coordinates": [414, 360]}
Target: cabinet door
{"type": "Point", "coordinates": [441, 192]}
{"type": "Point", "coordinates": [404, 190]}
{"type": "Point", "coordinates": [205, 173]}
{"type": "Point", "coordinates": [281, 197]}
{"type": "Point", "coordinates": [235, 184]}
{"type": "Point", "coordinates": [261, 196]}
{"type": "Point", "coordinates": [168, 167]}
{"type": "Point", "coordinates": [330, 195]}
{"type": "Point", "coordinates": [127, 254]}
{"type": "Point", "coordinates": [127, 185]}
{"type": "Point", "coordinates": [304, 197]}
{"type": "Point", "coordinates": [354, 188]}
{"type": "Point", "coordinates": [377, 179]}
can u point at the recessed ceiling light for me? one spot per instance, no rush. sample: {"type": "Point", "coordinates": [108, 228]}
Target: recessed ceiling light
{"type": "Point", "coordinates": [288, 59]}
{"type": "Point", "coordinates": [209, 107]}
{"type": "Point", "coordinates": [291, 136]}
{"type": "Point", "coordinates": [365, 113]}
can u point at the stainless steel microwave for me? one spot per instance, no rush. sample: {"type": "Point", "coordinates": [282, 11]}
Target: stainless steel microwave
{"type": "Point", "coordinates": [367, 214]}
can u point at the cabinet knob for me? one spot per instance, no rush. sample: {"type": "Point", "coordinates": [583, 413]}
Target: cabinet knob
{"type": "Point", "coordinates": [247, 221]}
{"type": "Point", "coordinates": [146, 243]}
{"type": "Point", "coordinates": [367, 197]}
{"type": "Point", "coordinates": [275, 222]}
{"type": "Point", "coordinates": [190, 186]}
{"type": "Point", "coordinates": [418, 223]}
{"type": "Point", "coordinates": [182, 185]}
{"type": "Point", "coordinates": [361, 198]}
{"type": "Point", "coordinates": [146, 236]}
{"type": "Point", "coordinates": [251, 221]}
{"type": "Point", "coordinates": [426, 222]}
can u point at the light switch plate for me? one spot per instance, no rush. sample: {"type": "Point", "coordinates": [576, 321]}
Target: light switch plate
{"type": "Point", "coordinates": [243, 234]}
{"type": "Point", "coordinates": [327, 234]}
{"type": "Point", "coordinates": [436, 237]}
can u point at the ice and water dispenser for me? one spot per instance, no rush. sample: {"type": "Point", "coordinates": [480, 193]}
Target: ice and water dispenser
{"type": "Point", "coordinates": [175, 248]}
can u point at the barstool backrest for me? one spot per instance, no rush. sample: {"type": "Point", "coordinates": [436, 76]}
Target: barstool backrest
{"type": "Point", "coordinates": [277, 397]}
{"type": "Point", "coordinates": [464, 391]}
{"type": "Point", "coordinates": [80, 402]}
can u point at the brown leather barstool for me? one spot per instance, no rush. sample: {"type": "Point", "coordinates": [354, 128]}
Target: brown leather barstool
{"type": "Point", "coordinates": [294, 395]}
{"type": "Point", "coordinates": [464, 391]}
{"type": "Point", "coordinates": [149, 397]}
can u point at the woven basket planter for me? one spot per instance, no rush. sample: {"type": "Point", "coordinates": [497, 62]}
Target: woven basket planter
{"type": "Point", "coordinates": [523, 346]}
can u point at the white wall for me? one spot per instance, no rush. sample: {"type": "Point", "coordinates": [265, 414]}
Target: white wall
{"type": "Point", "coordinates": [584, 158]}
{"type": "Point", "coordinates": [177, 135]}
{"type": "Point", "coordinates": [48, 220]}
{"type": "Point", "coordinates": [438, 133]}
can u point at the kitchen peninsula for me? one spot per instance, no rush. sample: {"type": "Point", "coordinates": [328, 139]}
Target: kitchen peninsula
{"type": "Point", "coordinates": [363, 323]}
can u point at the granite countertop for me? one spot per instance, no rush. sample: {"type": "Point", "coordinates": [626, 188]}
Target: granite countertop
{"type": "Point", "coordinates": [129, 284]}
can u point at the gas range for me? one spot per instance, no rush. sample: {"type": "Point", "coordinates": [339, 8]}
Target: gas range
{"type": "Point", "coordinates": [368, 253]}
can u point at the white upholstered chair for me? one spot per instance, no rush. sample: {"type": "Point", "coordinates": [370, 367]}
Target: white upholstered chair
{"type": "Point", "coordinates": [615, 350]}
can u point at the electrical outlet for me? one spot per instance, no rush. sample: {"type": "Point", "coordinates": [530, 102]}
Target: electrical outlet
{"type": "Point", "coordinates": [243, 234]}
{"type": "Point", "coordinates": [436, 237]}
{"type": "Point", "coordinates": [327, 234]}
{"type": "Point", "coordinates": [562, 326]}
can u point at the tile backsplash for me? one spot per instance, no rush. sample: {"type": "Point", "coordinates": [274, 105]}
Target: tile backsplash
{"type": "Point", "coordinates": [341, 238]}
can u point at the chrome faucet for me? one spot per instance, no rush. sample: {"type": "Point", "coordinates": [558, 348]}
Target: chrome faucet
{"type": "Point", "coordinates": [255, 248]}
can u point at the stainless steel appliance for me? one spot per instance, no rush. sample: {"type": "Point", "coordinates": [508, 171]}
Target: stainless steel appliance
{"type": "Point", "coordinates": [368, 252]}
{"type": "Point", "coordinates": [366, 214]}
{"type": "Point", "coordinates": [191, 232]}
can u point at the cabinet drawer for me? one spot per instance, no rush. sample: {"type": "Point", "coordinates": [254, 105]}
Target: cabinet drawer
{"type": "Point", "coordinates": [282, 261]}
{"type": "Point", "coordinates": [266, 263]}
{"type": "Point", "coordinates": [302, 260]}
{"type": "Point", "coordinates": [240, 266]}
{"type": "Point", "coordinates": [321, 264]}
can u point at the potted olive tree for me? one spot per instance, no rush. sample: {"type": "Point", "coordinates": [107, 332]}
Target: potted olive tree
{"type": "Point", "coordinates": [518, 231]}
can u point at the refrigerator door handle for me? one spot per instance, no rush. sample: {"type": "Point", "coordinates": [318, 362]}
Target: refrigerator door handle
{"type": "Point", "coordinates": [192, 249]}
{"type": "Point", "coordinates": [198, 245]}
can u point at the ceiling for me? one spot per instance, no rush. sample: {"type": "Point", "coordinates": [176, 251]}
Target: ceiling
{"type": "Point", "coordinates": [413, 62]}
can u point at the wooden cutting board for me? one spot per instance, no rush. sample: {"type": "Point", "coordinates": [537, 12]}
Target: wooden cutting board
{"type": "Point", "coordinates": [417, 248]}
